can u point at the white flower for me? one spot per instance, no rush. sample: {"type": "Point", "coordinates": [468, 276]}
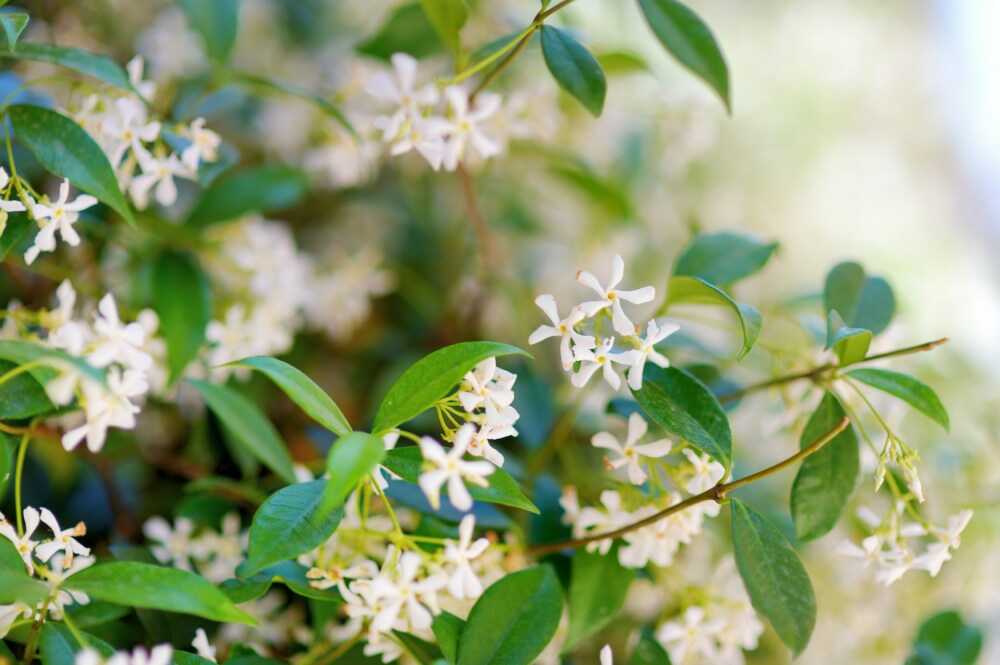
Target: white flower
{"type": "Point", "coordinates": [562, 328]}
{"type": "Point", "coordinates": [647, 351]}
{"type": "Point", "coordinates": [689, 639]}
{"type": "Point", "coordinates": [490, 388]}
{"type": "Point", "coordinates": [480, 445]}
{"type": "Point", "coordinates": [951, 534]}
{"type": "Point", "coordinates": [599, 358]}
{"type": "Point", "coordinates": [135, 67]}
{"type": "Point", "coordinates": [60, 596]}
{"type": "Point", "coordinates": [117, 342]}
{"type": "Point", "coordinates": [7, 205]}
{"type": "Point", "coordinates": [157, 172]}
{"type": "Point", "coordinates": [58, 215]}
{"type": "Point", "coordinates": [402, 593]}
{"type": "Point", "coordinates": [870, 550]}
{"type": "Point", "coordinates": [451, 468]}
{"type": "Point", "coordinates": [334, 574]}
{"type": "Point", "coordinates": [462, 582]}
{"type": "Point", "coordinates": [107, 407]}
{"type": "Point", "coordinates": [613, 297]}
{"type": "Point", "coordinates": [10, 613]}
{"type": "Point", "coordinates": [221, 552]}
{"type": "Point", "coordinates": [932, 559]}
{"type": "Point", "coordinates": [175, 545]}
{"type": "Point", "coordinates": [202, 646]}
{"type": "Point", "coordinates": [159, 655]}
{"type": "Point", "coordinates": [128, 127]}
{"type": "Point", "coordinates": [592, 520]}
{"type": "Point", "coordinates": [63, 540]}
{"type": "Point", "coordinates": [24, 545]}
{"type": "Point", "coordinates": [705, 473]}
{"type": "Point", "coordinates": [607, 658]}
{"type": "Point", "coordinates": [426, 136]}
{"type": "Point", "coordinates": [630, 454]}
{"type": "Point", "coordinates": [204, 145]}
{"type": "Point", "coordinates": [464, 126]}
{"type": "Point", "coordinates": [893, 564]}
{"type": "Point", "coordinates": [400, 91]}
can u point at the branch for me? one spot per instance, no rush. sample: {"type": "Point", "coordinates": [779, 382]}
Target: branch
{"type": "Point", "coordinates": [717, 494]}
{"type": "Point", "coordinates": [484, 238]}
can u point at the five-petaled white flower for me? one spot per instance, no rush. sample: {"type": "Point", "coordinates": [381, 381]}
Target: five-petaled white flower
{"type": "Point", "coordinates": [23, 543]}
{"type": "Point", "coordinates": [601, 358]}
{"type": "Point", "coordinates": [562, 328]}
{"type": "Point", "coordinates": [128, 127]}
{"type": "Point", "coordinates": [951, 534]}
{"type": "Point", "coordinates": [705, 473]}
{"type": "Point", "coordinates": [63, 540]}
{"type": "Point", "coordinates": [58, 215]}
{"type": "Point", "coordinates": [7, 205]}
{"type": "Point", "coordinates": [174, 545]}
{"type": "Point", "coordinates": [400, 90]}
{"type": "Point", "coordinates": [403, 593]}
{"type": "Point", "coordinates": [464, 126]}
{"type": "Point", "coordinates": [612, 297]}
{"type": "Point", "coordinates": [689, 639]}
{"type": "Point", "coordinates": [158, 172]}
{"type": "Point", "coordinates": [117, 342]}
{"type": "Point", "coordinates": [490, 388]}
{"type": "Point", "coordinates": [204, 145]}
{"type": "Point", "coordinates": [450, 467]}
{"type": "Point", "coordinates": [462, 581]}
{"type": "Point", "coordinates": [647, 351]}
{"type": "Point", "coordinates": [631, 454]}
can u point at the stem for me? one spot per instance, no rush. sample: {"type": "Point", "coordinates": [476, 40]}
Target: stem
{"type": "Point", "coordinates": [717, 494]}
{"type": "Point", "coordinates": [483, 235]}
{"type": "Point", "coordinates": [22, 451]}
{"type": "Point", "coordinates": [77, 635]}
{"type": "Point", "coordinates": [20, 369]}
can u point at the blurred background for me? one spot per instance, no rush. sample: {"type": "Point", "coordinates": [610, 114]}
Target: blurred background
{"type": "Point", "coordinates": [860, 130]}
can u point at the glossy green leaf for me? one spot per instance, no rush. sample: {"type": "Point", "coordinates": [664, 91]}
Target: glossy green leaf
{"type": "Point", "coordinates": [689, 40]}
{"type": "Point", "coordinates": [352, 458]}
{"type": "Point", "coordinates": [182, 297]}
{"type": "Point", "coordinates": [290, 573]}
{"type": "Point", "coordinates": [861, 300]}
{"type": "Point", "coordinates": [406, 30]}
{"type": "Point", "coordinates": [18, 230]}
{"type": "Point", "coordinates": [649, 652]}
{"type": "Point", "coordinates": [16, 585]}
{"type": "Point", "coordinates": [13, 24]}
{"type": "Point", "coordinates": [597, 588]}
{"type": "Point", "coordinates": [294, 520]}
{"type": "Point", "coordinates": [724, 258]}
{"type": "Point", "coordinates": [217, 22]}
{"type": "Point", "coordinates": [430, 379]}
{"type": "Point", "coordinates": [65, 149]}
{"type": "Point", "coordinates": [447, 631]}
{"type": "Point", "coordinates": [574, 68]}
{"type": "Point", "coordinates": [249, 427]}
{"type": "Point", "coordinates": [850, 344]}
{"type": "Point", "coordinates": [256, 189]}
{"type": "Point", "coordinates": [187, 658]}
{"type": "Point", "coordinates": [826, 478]}
{"type": "Point", "coordinates": [513, 620]}
{"type": "Point", "coordinates": [97, 66]}
{"type": "Point", "coordinates": [447, 17]}
{"type": "Point", "coordinates": [302, 390]}
{"type": "Point", "coordinates": [778, 585]}
{"type": "Point", "coordinates": [423, 651]}
{"type": "Point", "coordinates": [683, 405]}
{"type": "Point", "coordinates": [58, 646]}
{"type": "Point", "coordinates": [945, 639]}
{"type": "Point", "coordinates": [911, 390]}
{"type": "Point", "coordinates": [156, 587]}
{"type": "Point", "coordinates": [685, 290]}
{"type": "Point", "coordinates": [21, 396]}
{"type": "Point", "coordinates": [503, 489]}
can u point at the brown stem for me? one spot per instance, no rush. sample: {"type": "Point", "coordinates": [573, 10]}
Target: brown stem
{"type": "Point", "coordinates": [484, 237]}
{"type": "Point", "coordinates": [717, 494]}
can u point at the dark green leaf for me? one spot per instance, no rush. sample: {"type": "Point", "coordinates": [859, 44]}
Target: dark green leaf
{"type": "Point", "coordinates": [945, 639]}
{"type": "Point", "coordinates": [216, 21]}
{"type": "Point", "coordinates": [425, 652]}
{"type": "Point", "coordinates": [826, 478]}
{"type": "Point", "coordinates": [7, 447]}
{"type": "Point", "coordinates": [914, 392]}
{"type": "Point", "coordinates": [13, 24]}
{"type": "Point", "coordinates": [778, 585]}
{"type": "Point", "coordinates": [182, 297]}
{"type": "Point", "coordinates": [58, 646]}
{"type": "Point", "coordinates": [513, 620]}
{"type": "Point", "coordinates": [683, 290]}
{"type": "Point", "coordinates": [290, 573]}
{"type": "Point", "coordinates": [65, 149]}
{"type": "Point", "coordinates": [156, 587]}
{"type": "Point", "coordinates": [447, 17]}
{"type": "Point", "coordinates": [249, 427]}
{"type": "Point", "coordinates": [430, 379]}
{"type": "Point", "coordinates": [407, 30]}
{"type": "Point", "coordinates": [574, 68]}
{"type": "Point", "coordinates": [689, 40]}
{"type": "Point", "coordinates": [257, 189]}
{"type": "Point", "coordinates": [302, 390]}
{"type": "Point", "coordinates": [21, 352]}
{"type": "Point", "coordinates": [19, 228]}
{"type": "Point", "coordinates": [682, 404]}
{"type": "Point", "coordinates": [649, 652]}
{"type": "Point", "coordinates": [16, 585]}
{"type": "Point", "coordinates": [723, 258]}
{"type": "Point", "coordinates": [597, 588]}
{"type": "Point", "coordinates": [861, 300]}
{"type": "Point", "coordinates": [448, 630]}
{"type": "Point", "coordinates": [850, 344]}
{"type": "Point", "coordinates": [503, 489]}
{"type": "Point", "coordinates": [100, 67]}
{"type": "Point", "coordinates": [21, 396]}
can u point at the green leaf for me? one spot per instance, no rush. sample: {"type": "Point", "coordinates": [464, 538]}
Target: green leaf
{"type": "Point", "coordinates": [503, 489]}
{"type": "Point", "coordinates": [21, 352]}
{"type": "Point", "coordinates": [778, 585]}
{"type": "Point", "coordinates": [447, 17]}
{"type": "Point", "coordinates": [597, 588]}
{"type": "Point", "coordinates": [425, 652]}
{"type": "Point", "coordinates": [621, 62]}
{"type": "Point", "coordinates": [97, 66]}
{"type": "Point", "coordinates": [58, 646]}
{"type": "Point", "coordinates": [19, 228]}
{"type": "Point", "coordinates": [16, 585]}
{"type": "Point", "coordinates": [182, 297]}
{"type": "Point", "coordinates": [187, 658]}
{"type": "Point", "coordinates": [723, 258]}
{"type": "Point", "coordinates": [682, 404]}
{"type": "Point", "coordinates": [65, 149]}
{"type": "Point", "coordinates": [257, 189]}
{"type": "Point", "coordinates": [850, 344]}
{"type": "Point", "coordinates": [407, 30]}
{"type": "Point", "coordinates": [574, 68]}
{"type": "Point", "coordinates": [7, 447]}
{"type": "Point", "coordinates": [248, 426]}
{"type": "Point", "coordinates": [826, 478]}
{"type": "Point", "coordinates": [350, 460]}
{"type": "Point", "coordinates": [21, 396]}
{"type": "Point", "coordinates": [290, 573]}
{"type": "Point", "coordinates": [293, 520]}
{"type": "Point", "coordinates": [448, 630]}
{"type": "Point", "coordinates": [649, 652]}
{"type": "Point", "coordinates": [14, 24]}
{"type": "Point", "coordinates": [302, 390]}
{"type": "Point", "coordinates": [914, 392]}
{"type": "Point", "coordinates": [158, 588]}
{"type": "Point", "coordinates": [216, 21]}
{"type": "Point", "coordinates": [684, 290]}
{"type": "Point", "coordinates": [689, 40]}
{"type": "Point", "coordinates": [945, 639]}
{"type": "Point", "coordinates": [262, 83]}
{"type": "Point", "coordinates": [430, 379]}
{"type": "Point", "coordinates": [513, 620]}
{"type": "Point", "coordinates": [863, 301]}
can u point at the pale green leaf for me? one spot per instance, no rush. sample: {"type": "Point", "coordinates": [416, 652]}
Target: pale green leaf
{"type": "Point", "coordinates": [684, 290]}
{"type": "Point", "coordinates": [911, 390]}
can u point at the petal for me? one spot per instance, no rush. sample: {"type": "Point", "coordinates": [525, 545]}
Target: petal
{"type": "Point", "coordinates": [655, 449]}
{"type": "Point", "coordinates": [541, 333]}
{"type": "Point", "coordinates": [611, 376]}
{"type": "Point", "coordinates": [622, 324]}
{"type": "Point", "coordinates": [606, 440]}
{"type": "Point", "coordinates": [547, 303]}
{"type": "Point", "coordinates": [458, 494]}
{"type": "Point", "coordinates": [638, 296]}
{"type": "Point", "coordinates": [587, 279]}
{"type": "Point", "coordinates": [617, 271]}
{"type": "Point", "coordinates": [636, 428]}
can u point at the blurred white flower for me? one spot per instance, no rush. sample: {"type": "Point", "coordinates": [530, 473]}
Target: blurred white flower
{"type": "Point", "coordinates": [465, 126]}
{"type": "Point", "coordinates": [462, 581]}
{"type": "Point", "coordinates": [172, 545]}
{"type": "Point", "coordinates": [629, 454]}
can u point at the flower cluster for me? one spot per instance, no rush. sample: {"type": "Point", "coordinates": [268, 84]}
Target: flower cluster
{"type": "Point", "coordinates": [161, 654]}
{"type": "Point", "coordinates": [893, 542]}
{"type": "Point", "coordinates": [584, 352]}
{"type": "Point", "coordinates": [214, 554]}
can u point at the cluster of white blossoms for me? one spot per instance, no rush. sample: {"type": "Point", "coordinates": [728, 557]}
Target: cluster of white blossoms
{"type": "Point", "coordinates": [442, 126]}
{"type": "Point", "coordinates": [893, 544]}
{"type": "Point", "coordinates": [586, 344]}
{"type": "Point", "coordinates": [129, 353]}
{"type": "Point", "coordinates": [139, 147]}
{"type": "Point", "coordinates": [716, 630]}
{"type": "Point", "coordinates": [52, 561]}
{"type": "Point", "coordinates": [161, 654]}
{"type": "Point", "coordinates": [213, 554]}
